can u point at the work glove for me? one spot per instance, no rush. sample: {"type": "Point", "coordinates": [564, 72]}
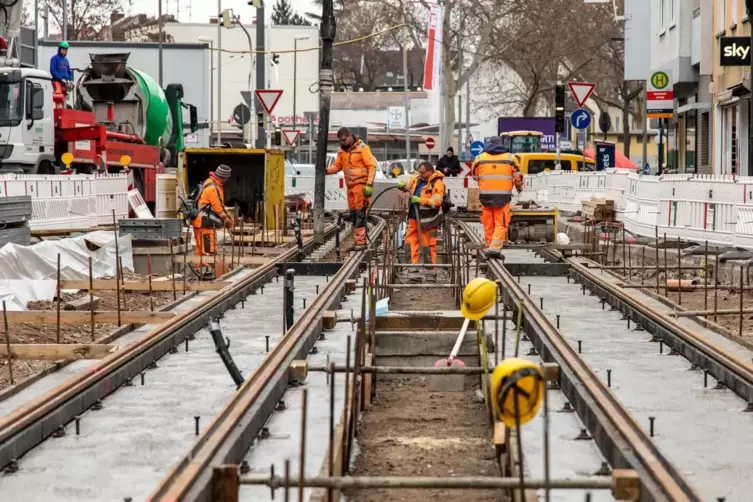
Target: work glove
{"type": "Point", "coordinates": [368, 190]}
{"type": "Point", "coordinates": [229, 223]}
{"type": "Point", "coordinates": [415, 199]}
{"type": "Point", "coordinates": [401, 185]}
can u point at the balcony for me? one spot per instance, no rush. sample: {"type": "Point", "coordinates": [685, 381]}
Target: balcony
{"type": "Point", "coordinates": [695, 38]}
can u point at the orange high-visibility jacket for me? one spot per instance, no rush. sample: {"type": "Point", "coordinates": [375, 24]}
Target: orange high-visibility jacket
{"type": "Point", "coordinates": [495, 174]}
{"type": "Point", "coordinates": [211, 205]}
{"type": "Point", "coordinates": [358, 165]}
{"type": "Point", "coordinates": [432, 193]}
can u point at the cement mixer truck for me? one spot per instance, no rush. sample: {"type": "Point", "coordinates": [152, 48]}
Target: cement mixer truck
{"type": "Point", "coordinates": [119, 118]}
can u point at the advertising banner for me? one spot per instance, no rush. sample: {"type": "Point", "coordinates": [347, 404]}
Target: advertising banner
{"type": "Point", "coordinates": [543, 124]}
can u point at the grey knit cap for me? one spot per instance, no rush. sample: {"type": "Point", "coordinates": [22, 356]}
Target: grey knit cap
{"type": "Point", "coordinates": [222, 172]}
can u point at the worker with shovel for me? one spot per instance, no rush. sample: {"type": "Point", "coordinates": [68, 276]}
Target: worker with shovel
{"type": "Point", "coordinates": [211, 216]}
{"type": "Point", "coordinates": [425, 213]}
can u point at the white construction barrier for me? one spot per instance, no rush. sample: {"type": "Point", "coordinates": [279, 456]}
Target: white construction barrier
{"type": "Point", "coordinates": [66, 202]}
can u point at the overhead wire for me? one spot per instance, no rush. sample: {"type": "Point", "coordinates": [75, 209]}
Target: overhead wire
{"type": "Point", "coordinates": [494, 55]}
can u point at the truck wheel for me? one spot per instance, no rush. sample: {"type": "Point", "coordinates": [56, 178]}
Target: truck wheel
{"type": "Point", "coordinates": [46, 167]}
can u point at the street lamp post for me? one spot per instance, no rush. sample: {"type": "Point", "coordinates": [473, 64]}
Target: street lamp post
{"type": "Point", "coordinates": [210, 41]}
{"type": "Point", "coordinates": [219, 72]}
{"type": "Point", "coordinates": [250, 139]}
{"type": "Point", "coordinates": [295, 84]}
{"type": "Point", "coordinates": [405, 88]}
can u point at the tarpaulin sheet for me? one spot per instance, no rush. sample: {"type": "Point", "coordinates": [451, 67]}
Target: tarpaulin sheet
{"type": "Point", "coordinates": [29, 273]}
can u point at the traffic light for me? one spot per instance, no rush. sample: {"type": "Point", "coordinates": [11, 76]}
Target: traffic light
{"type": "Point", "coordinates": [275, 58]}
{"type": "Point", "coordinates": [559, 108]}
{"type": "Point", "coordinates": [277, 139]}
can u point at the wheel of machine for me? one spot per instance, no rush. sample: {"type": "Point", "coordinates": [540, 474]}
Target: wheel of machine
{"type": "Point", "coordinates": [46, 167]}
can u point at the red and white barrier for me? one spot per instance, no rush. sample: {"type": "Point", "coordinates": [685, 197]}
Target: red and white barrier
{"type": "Point", "coordinates": [65, 202]}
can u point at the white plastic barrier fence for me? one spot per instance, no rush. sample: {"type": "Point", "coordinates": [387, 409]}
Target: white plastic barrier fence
{"type": "Point", "coordinates": [714, 208]}
{"type": "Point", "coordinates": [65, 202]}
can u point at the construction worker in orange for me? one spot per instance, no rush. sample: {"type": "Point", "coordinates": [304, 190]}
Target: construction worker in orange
{"type": "Point", "coordinates": [496, 171]}
{"type": "Point", "coordinates": [359, 169]}
{"type": "Point", "coordinates": [212, 215]}
{"type": "Point", "coordinates": [427, 194]}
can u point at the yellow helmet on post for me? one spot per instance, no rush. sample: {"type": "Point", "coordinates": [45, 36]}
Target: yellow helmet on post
{"type": "Point", "coordinates": [478, 298]}
{"type": "Point", "coordinates": [517, 380]}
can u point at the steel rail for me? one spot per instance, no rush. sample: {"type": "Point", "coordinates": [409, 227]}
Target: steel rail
{"type": "Point", "coordinates": [731, 370]}
{"type": "Point", "coordinates": [622, 441]}
{"type": "Point", "coordinates": [231, 433]}
{"type": "Point", "coordinates": [30, 425]}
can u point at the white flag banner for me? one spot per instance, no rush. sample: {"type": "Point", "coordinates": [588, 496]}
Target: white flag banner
{"type": "Point", "coordinates": [433, 60]}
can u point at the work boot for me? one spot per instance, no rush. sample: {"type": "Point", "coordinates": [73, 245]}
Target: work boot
{"type": "Point", "coordinates": [359, 247]}
{"type": "Point", "coordinates": [431, 275]}
{"type": "Point", "coordinates": [493, 253]}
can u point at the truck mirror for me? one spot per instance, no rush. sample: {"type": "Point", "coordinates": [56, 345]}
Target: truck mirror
{"type": "Point", "coordinates": [194, 117]}
{"type": "Point", "coordinates": [29, 102]}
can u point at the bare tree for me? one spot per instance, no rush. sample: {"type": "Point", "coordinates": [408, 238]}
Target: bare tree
{"type": "Point", "coordinates": [86, 18]}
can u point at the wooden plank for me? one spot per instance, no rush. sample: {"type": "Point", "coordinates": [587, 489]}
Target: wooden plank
{"type": "Point", "coordinates": [58, 352]}
{"type": "Point", "coordinates": [260, 238]}
{"type": "Point", "coordinates": [83, 303]}
{"type": "Point", "coordinates": [244, 260]}
{"type": "Point", "coordinates": [75, 317]}
{"type": "Point", "coordinates": [111, 285]}
{"type": "Point", "coordinates": [367, 383]}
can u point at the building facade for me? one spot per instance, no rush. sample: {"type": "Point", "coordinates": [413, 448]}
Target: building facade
{"type": "Point", "coordinates": [732, 88]}
{"type": "Point", "coordinates": [676, 37]}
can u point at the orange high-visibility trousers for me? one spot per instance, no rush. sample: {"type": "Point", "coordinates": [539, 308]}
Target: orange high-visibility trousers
{"type": "Point", "coordinates": [358, 203]}
{"type": "Point", "coordinates": [428, 239]}
{"type": "Point", "coordinates": [205, 240]}
{"type": "Point", "coordinates": [496, 221]}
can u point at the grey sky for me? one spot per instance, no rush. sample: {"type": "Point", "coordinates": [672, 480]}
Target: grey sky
{"type": "Point", "coordinates": [199, 11]}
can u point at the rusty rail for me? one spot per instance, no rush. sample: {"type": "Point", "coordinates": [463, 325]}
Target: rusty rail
{"type": "Point", "coordinates": [622, 441]}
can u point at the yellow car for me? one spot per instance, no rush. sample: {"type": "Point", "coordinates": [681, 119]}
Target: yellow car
{"type": "Point", "coordinates": [534, 163]}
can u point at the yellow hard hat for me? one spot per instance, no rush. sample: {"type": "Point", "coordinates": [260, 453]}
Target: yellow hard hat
{"type": "Point", "coordinates": [525, 377]}
{"type": "Point", "coordinates": [478, 297]}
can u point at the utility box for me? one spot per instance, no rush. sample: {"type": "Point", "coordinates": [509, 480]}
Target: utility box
{"type": "Point", "coordinates": [256, 184]}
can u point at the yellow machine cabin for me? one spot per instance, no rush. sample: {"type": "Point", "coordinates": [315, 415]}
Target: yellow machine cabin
{"type": "Point", "coordinates": [535, 163]}
{"type": "Point", "coordinates": [522, 141]}
{"type": "Point", "coordinates": [256, 185]}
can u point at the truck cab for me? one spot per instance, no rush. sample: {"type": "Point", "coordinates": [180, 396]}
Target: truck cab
{"type": "Point", "coordinates": [27, 129]}
{"type": "Point", "coordinates": [522, 141]}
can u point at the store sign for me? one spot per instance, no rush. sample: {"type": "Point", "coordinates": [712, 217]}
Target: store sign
{"type": "Point", "coordinates": [605, 155]}
{"type": "Point", "coordinates": [734, 51]}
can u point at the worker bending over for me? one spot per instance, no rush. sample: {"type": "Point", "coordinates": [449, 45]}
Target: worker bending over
{"type": "Point", "coordinates": [359, 169]}
{"type": "Point", "coordinates": [212, 215]}
{"type": "Point", "coordinates": [427, 194]}
{"type": "Point", "coordinates": [496, 171]}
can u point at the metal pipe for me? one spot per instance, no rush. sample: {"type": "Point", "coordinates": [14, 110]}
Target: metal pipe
{"type": "Point", "coordinates": [405, 89]}
{"type": "Point", "coordinates": [426, 482]}
{"type": "Point", "coordinates": [65, 19]}
{"type": "Point", "coordinates": [401, 370]}
{"type": "Point", "coordinates": [684, 285]}
{"type": "Point", "coordinates": [160, 35]}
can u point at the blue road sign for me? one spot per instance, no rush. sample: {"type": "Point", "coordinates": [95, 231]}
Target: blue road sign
{"type": "Point", "coordinates": [580, 119]}
{"type": "Point", "coordinates": [477, 148]}
{"type": "Point", "coordinates": [647, 169]}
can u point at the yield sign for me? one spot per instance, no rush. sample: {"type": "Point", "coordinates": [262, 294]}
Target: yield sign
{"type": "Point", "coordinates": [268, 98]}
{"type": "Point", "coordinates": [291, 135]}
{"type": "Point", "coordinates": [581, 91]}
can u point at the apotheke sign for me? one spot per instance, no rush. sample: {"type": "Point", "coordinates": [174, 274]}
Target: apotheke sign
{"type": "Point", "coordinates": [734, 51]}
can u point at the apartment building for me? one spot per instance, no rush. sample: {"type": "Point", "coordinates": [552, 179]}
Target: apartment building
{"type": "Point", "coordinates": [732, 88]}
{"type": "Point", "coordinates": [676, 37]}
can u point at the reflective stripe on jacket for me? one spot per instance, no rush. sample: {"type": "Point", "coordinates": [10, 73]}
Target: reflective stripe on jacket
{"type": "Point", "coordinates": [496, 174]}
{"type": "Point", "coordinates": [358, 165]}
{"type": "Point", "coordinates": [431, 195]}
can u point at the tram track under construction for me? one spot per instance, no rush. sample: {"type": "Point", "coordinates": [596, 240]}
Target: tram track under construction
{"type": "Point", "coordinates": [344, 399]}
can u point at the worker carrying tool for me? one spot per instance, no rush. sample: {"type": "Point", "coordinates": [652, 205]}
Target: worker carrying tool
{"type": "Point", "coordinates": [359, 169]}
{"type": "Point", "coordinates": [427, 192]}
{"type": "Point", "coordinates": [60, 69]}
{"type": "Point", "coordinates": [212, 215]}
{"type": "Point", "coordinates": [496, 171]}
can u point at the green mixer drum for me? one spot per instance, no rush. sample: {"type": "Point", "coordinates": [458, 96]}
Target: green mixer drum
{"type": "Point", "coordinates": [159, 122]}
